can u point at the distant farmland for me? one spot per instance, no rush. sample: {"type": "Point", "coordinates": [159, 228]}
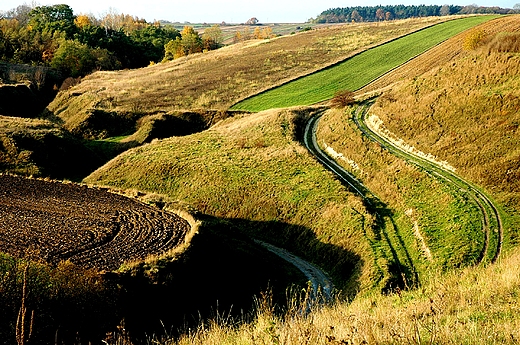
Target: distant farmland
{"type": "Point", "coordinates": [359, 70]}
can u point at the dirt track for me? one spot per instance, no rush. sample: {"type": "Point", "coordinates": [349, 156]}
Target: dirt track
{"type": "Point", "coordinates": [90, 227]}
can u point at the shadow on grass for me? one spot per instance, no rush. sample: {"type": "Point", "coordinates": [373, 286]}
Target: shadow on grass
{"type": "Point", "coordinates": [221, 276]}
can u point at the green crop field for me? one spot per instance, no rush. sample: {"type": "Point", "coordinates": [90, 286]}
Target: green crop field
{"type": "Point", "coordinates": [359, 70]}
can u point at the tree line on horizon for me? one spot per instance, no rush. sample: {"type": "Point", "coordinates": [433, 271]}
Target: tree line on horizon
{"type": "Point", "coordinates": [390, 12]}
{"type": "Point", "coordinates": [80, 44]}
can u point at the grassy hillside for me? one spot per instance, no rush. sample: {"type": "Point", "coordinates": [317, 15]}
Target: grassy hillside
{"type": "Point", "coordinates": [457, 103]}
{"type": "Point", "coordinates": [357, 71]}
{"type": "Point", "coordinates": [470, 306]}
{"type": "Point", "coordinates": [217, 79]}
{"type": "Point", "coordinates": [252, 169]}
{"type": "Point", "coordinates": [436, 228]}
{"type": "Point", "coordinates": [41, 148]}
{"type": "Point", "coordinates": [466, 113]}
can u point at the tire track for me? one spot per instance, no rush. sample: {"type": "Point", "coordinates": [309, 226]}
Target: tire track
{"type": "Point", "coordinates": [403, 272]}
{"type": "Point", "coordinates": [322, 285]}
{"type": "Point", "coordinates": [491, 221]}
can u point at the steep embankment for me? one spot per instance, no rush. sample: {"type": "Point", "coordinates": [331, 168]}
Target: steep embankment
{"type": "Point", "coordinates": [42, 148]}
{"type": "Point", "coordinates": [467, 113]}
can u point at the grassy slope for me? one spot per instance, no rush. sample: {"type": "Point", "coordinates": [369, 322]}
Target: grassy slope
{"type": "Point", "coordinates": [220, 78]}
{"type": "Point", "coordinates": [41, 148]}
{"type": "Point", "coordinates": [252, 170]}
{"type": "Point", "coordinates": [448, 222]}
{"type": "Point", "coordinates": [466, 113]}
{"type": "Point", "coordinates": [470, 306]}
{"type": "Point", "coordinates": [357, 71]}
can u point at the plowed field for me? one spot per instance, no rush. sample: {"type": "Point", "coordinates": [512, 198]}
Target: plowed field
{"type": "Point", "coordinates": [91, 227]}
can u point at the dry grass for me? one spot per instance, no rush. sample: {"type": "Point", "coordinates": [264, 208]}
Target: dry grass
{"type": "Point", "coordinates": [441, 54]}
{"type": "Point", "coordinates": [471, 306]}
{"type": "Point", "coordinates": [220, 78]}
{"type": "Point", "coordinates": [466, 112]}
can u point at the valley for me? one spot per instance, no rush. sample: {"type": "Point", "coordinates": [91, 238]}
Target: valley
{"type": "Point", "coordinates": [394, 196]}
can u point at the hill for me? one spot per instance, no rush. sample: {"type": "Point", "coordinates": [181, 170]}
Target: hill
{"type": "Point", "coordinates": [250, 173]}
{"type": "Point", "coordinates": [444, 111]}
{"type": "Point", "coordinates": [42, 148]}
{"type": "Point", "coordinates": [253, 169]}
{"type": "Point", "coordinates": [216, 79]}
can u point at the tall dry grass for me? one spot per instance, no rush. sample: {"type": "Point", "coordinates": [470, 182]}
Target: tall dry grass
{"type": "Point", "coordinates": [470, 306]}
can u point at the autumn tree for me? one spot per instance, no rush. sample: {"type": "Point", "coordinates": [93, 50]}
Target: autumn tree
{"type": "Point", "coordinates": [191, 41]}
{"type": "Point", "coordinates": [356, 17]}
{"type": "Point", "coordinates": [342, 99]}
{"type": "Point", "coordinates": [380, 14]}
{"type": "Point", "coordinates": [82, 21]}
{"type": "Point", "coordinates": [188, 43]}
{"type": "Point", "coordinates": [212, 37]}
{"type": "Point", "coordinates": [75, 58]}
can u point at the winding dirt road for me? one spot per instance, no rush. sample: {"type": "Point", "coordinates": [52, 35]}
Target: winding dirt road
{"type": "Point", "coordinates": [491, 221]}
{"type": "Point", "coordinates": [321, 284]}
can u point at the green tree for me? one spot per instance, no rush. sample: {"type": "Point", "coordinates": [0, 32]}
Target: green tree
{"type": "Point", "coordinates": [212, 37]}
{"type": "Point", "coordinates": [75, 58]}
{"type": "Point", "coordinates": [191, 41]}
{"type": "Point", "coordinates": [53, 18]}
{"type": "Point", "coordinates": [173, 50]}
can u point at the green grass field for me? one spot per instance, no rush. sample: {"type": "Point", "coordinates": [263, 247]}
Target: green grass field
{"type": "Point", "coordinates": [359, 70]}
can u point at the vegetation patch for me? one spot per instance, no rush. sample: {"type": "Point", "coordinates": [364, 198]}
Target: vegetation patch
{"type": "Point", "coordinates": [41, 148]}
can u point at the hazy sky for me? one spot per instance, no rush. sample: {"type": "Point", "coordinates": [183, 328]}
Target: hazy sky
{"type": "Point", "coordinates": [233, 11]}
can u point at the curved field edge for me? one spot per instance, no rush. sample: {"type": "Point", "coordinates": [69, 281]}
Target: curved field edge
{"type": "Point", "coordinates": [359, 70]}
{"type": "Point", "coordinates": [252, 170]}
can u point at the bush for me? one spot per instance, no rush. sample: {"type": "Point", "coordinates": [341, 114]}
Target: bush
{"type": "Point", "coordinates": [342, 99]}
{"type": "Point", "coordinates": [474, 39]}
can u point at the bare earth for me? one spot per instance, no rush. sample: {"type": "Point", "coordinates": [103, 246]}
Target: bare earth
{"type": "Point", "coordinates": [91, 227]}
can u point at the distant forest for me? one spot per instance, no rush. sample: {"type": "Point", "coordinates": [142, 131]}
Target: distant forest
{"type": "Point", "coordinates": [53, 36]}
{"type": "Point", "coordinates": [380, 13]}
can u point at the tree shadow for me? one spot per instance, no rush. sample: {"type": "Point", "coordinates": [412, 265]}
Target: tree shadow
{"type": "Point", "coordinates": [223, 274]}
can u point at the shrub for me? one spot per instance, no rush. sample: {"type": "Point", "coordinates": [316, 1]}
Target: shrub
{"type": "Point", "coordinates": [342, 99]}
{"type": "Point", "coordinates": [474, 39]}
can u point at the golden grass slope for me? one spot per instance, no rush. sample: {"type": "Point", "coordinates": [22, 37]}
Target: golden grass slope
{"type": "Point", "coordinates": [467, 112]}
{"type": "Point", "coordinates": [470, 307]}
{"type": "Point", "coordinates": [218, 79]}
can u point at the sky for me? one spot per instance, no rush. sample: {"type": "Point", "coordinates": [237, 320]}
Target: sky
{"type": "Point", "coordinates": [231, 11]}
